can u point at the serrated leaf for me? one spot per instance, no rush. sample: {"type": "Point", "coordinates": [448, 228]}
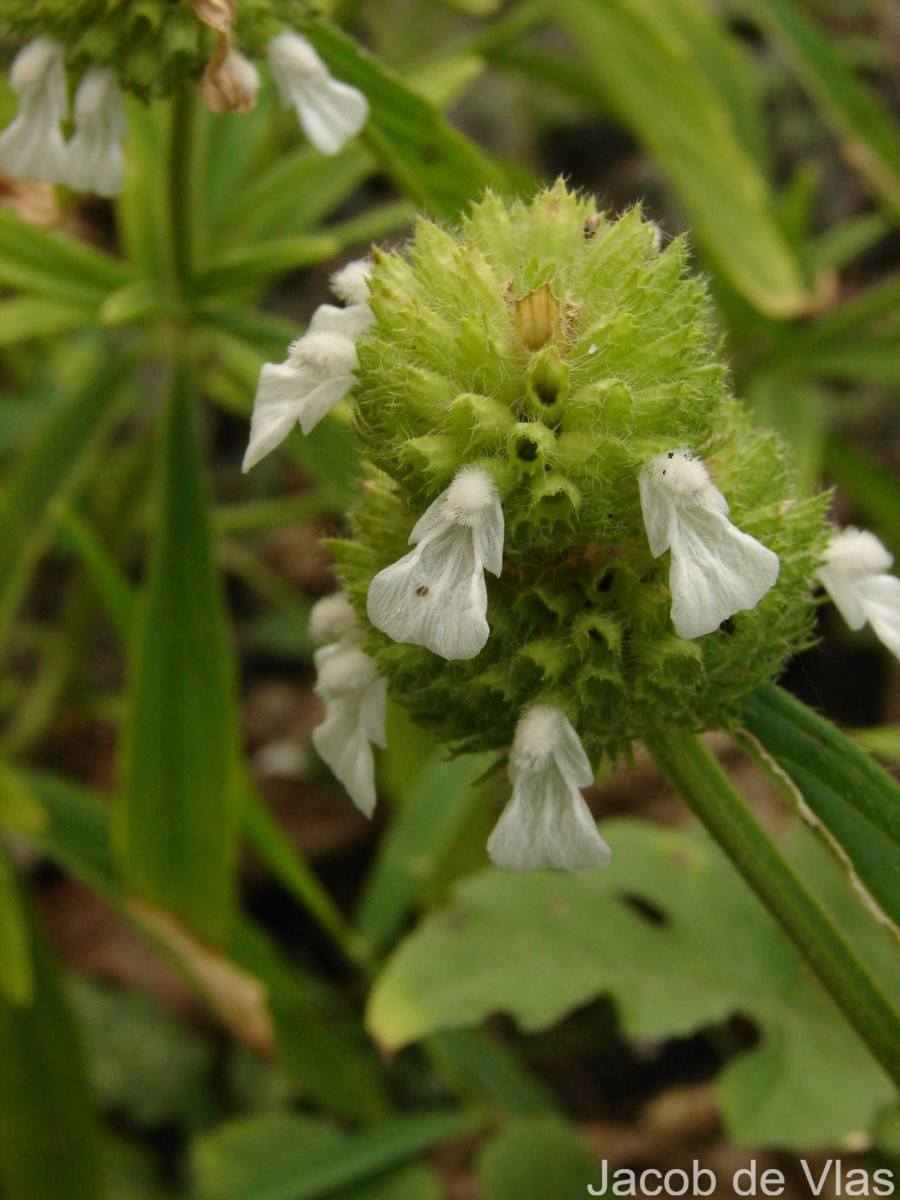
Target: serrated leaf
{"type": "Point", "coordinates": [847, 791]}
{"type": "Point", "coordinates": [708, 951]}
{"type": "Point", "coordinates": [433, 163]}
{"type": "Point", "coordinates": [49, 1141]}
{"type": "Point", "coordinates": [643, 62]}
{"type": "Point", "coordinates": [176, 825]}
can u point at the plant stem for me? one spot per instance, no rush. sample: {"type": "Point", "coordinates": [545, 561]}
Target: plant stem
{"type": "Point", "coordinates": [695, 773]}
{"type": "Point", "coordinates": [182, 200]}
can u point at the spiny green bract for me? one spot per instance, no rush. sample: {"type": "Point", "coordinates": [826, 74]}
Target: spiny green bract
{"type": "Point", "coordinates": [559, 351]}
{"type": "Point", "coordinates": [154, 46]}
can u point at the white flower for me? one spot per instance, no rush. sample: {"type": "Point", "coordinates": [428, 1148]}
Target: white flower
{"type": "Point", "coordinates": [854, 573]}
{"type": "Point", "coordinates": [435, 596]}
{"type": "Point", "coordinates": [331, 619]}
{"type": "Point", "coordinates": [330, 112]}
{"type": "Point", "coordinates": [355, 701]}
{"type": "Point", "coordinates": [32, 147]}
{"type": "Point", "coordinates": [716, 569]}
{"type": "Point", "coordinates": [95, 159]}
{"type": "Point", "coordinates": [351, 283]}
{"type": "Point", "coordinates": [547, 823]}
{"type": "Point", "coordinates": [317, 374]}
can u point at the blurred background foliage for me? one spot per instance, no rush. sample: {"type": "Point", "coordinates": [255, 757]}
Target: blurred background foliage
{"type": "Point", "coordinates": [216, 979]}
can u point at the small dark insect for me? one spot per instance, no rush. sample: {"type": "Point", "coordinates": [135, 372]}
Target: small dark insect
{"type": "Point", "coordinates": [422, 591]}
{"type": "Point", "coordinates": [590, 226]}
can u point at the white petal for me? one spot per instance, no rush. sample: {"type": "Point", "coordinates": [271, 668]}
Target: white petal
{"type": "Point", "coordinates": [658, 512]}
{"type": "Point", "coordinates": [276, 410]}
{"type": "Point", "coordinates": [373, 712]}
{"type": "Point", "coordinates": [853, 557]}
{"type": "Point", "coordinates": [716, 571]}
{"type": "Point", "coordinates": [434, 596]}
{"type": "Point", "coordinates": [349, 322]}
{"type": "Point", "coordinates": [329, 111]}
{"type": "Point", "coordinates": [845, 591]}
{"type": "Point", "coordinates": [342, 744]}
{"type": "Point", "coordinates": [547, 822]}
{"type": "Point", "coordinates": [96, 162]}
{"type": "Point", "coordinates": [32, 146]}
{"type": "Point", "coordinates": [881, 603]}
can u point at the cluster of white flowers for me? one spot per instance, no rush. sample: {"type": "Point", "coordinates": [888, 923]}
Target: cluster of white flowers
{"type": "Point", "coordinates": [435, 596]}
{"type": "Point", "coordinates": [33, 145]}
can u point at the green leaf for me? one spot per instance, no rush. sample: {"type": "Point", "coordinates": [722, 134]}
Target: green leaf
{"type": "Point", "coordinates": [433, 811]}
{"type": "Point", "coordinates": [25, 317]}
{"type": "Point", "coordinates": [319, 1042]}
{"type": "Point", "coordinates": [294, 194]}
{"type": "Point", "coordinates": [49, 1141]}
{"type": "Point", "coordinates": [864, 129]}
{"type": "Point", "coordinates": [53, 265]}
{"type": "Point", "coordinates": [16, 974]}
{"type": "Point", "coordinates": [176, 827]}
{"type": "Point", "coordinates": [253, 265]}
{"type": "Point", "coordinates": [696, 949]}
{"type": "Point", "coordinates": [433, 163]}
{"type": "Point", "coordinates": [536, 1159]}
{"type": "Point", "coordinates": [53, 465]}
{"type": "Point", "coordinates": [286, 1157]}
{"type": "Point", "coordinates": [847, 791]}
{"type": "Point", "coordinates": [664, 90]}
{"type": "Point", "coordinates": [115, 592]}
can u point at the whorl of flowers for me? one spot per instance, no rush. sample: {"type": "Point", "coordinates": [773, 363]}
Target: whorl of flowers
{"type": "Point", "coordinates": [570, 536]}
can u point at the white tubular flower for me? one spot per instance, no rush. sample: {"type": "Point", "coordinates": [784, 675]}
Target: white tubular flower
{"type": "Point", "coordinates": [435, 596]}
{"type": "Point", "coordinates": [330, 112]}
{"type": "Point", "coordinates": [355, 706]}
{"type": "Point", "coordinates": [716, 569]}
{"type": "Point", "coordinates": [854, 573]}
{"type": "Point", "coordinates": [96, 162]}
{"type": "Point", "coordinates": [316, 376]}
{"type": "Point", "coordinates": [32, 147]}
{"type": "Point", "coordinates": [547, 823]}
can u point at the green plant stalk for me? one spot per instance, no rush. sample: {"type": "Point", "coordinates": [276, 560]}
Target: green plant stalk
{"type": "Point", "coordinates": [182, 198]}
{"type": "Point", "coordinates": [694, 772]}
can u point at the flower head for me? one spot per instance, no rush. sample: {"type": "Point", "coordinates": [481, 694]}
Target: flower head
{"type": "Point", "coordinates": [547, 823]}
{"type": "Point", "coordinates": [435, 596]}
{"type": "Point", "coordinates": [32, 146]}
{"type": "Point", "coordinates": [316, 376]}
{"type": "Point", "coordinates": [854, 573]}
{"type": "Point", "coordinates": [95, 160]}
{"type": "Point", "coordinates": [330, 112]}
{"type": "Point", "coordinates": [716, 569]}
{"type": "Point", "coordinates": [355, 701]}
